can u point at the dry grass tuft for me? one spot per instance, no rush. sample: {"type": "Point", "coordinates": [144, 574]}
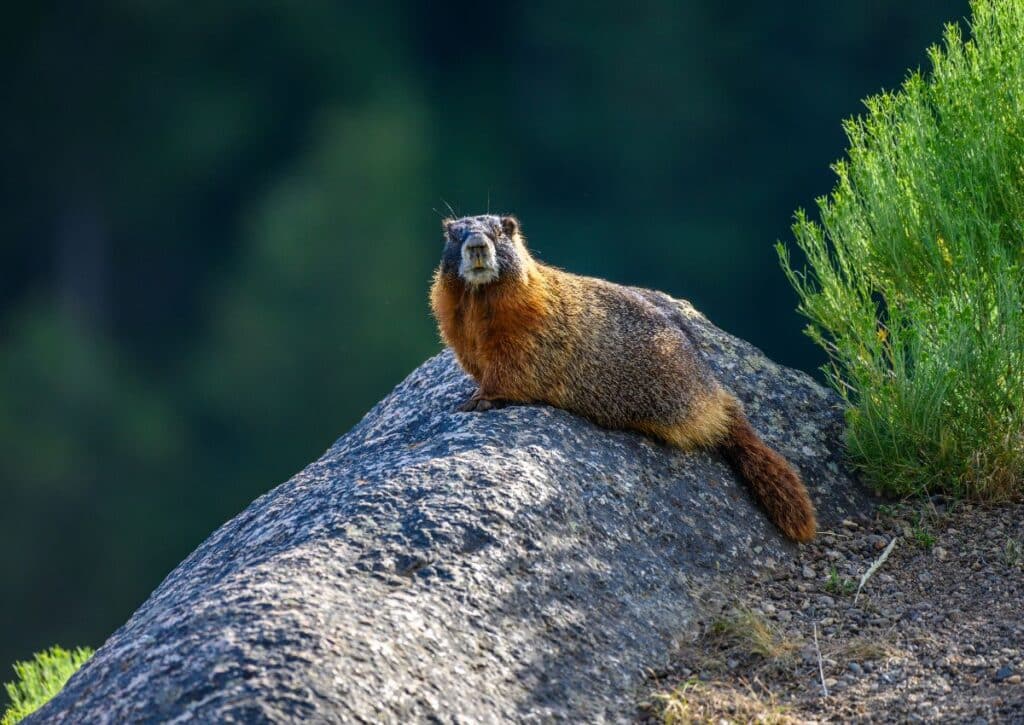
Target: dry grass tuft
{"type": "Point", "coordinates": [752, 634]}
{"type": "Point", "coordinates": [696, 702]}
{"type": "Point", "coordinates": [862, 649]}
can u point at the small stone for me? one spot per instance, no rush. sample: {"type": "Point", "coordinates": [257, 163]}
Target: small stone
{"type": "Point", "coordinates": [1005, 673]}
{"type": "Point", "coordinates": [1013, 680]}
{"type": "Point", "coordinates": [856, 669]}
{"type": "Point", "coordinates": [940, 553]}
{"type": "Point", "coordinates": [849, 524]}
{"type": "Point", "coordinates": [877, 542]}
{"type": "Point", "coordinates": [808, 572]}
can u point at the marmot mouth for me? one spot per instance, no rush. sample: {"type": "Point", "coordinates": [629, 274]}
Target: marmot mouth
{"type": "Point", "coordinates": [479, 274]}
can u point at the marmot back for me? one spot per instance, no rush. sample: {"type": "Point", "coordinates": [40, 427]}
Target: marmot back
{"type": "Point", "coordinates": [527, 332]}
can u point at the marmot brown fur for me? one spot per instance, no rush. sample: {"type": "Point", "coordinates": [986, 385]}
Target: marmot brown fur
{"type": "Point", "coordinates": [528, 332]}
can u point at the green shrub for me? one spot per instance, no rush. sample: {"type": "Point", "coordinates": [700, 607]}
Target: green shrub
{"type": "Point", "coordinates": [41, 679]}
{"type": "Point", "coordinates": [915, 284]}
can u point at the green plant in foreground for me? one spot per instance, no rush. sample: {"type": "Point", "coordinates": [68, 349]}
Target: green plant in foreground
{"type": "Point", "coordinates": [923, 537]}
{"type": "Point", "coordinates": [1012, 552]}
{"type": "Point", "coordinates": [40, 679]}
{"type": "Point", "coordinates": [839, 585]}
{"type": "Point", "coordinates": [915, 278]}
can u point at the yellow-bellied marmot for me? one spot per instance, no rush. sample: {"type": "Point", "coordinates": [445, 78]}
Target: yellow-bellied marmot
{"type": "Point", "coordinates": [528, 332]}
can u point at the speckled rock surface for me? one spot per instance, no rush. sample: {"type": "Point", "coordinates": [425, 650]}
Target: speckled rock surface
{"type": "Point", "coordinates": [519, 564]}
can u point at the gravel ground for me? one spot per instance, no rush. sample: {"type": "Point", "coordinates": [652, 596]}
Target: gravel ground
{"type": "Point", "coordinates": [936, 634]}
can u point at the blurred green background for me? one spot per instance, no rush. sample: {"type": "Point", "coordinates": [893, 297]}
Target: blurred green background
{"type": "Point", "coordinates": [221, 221]}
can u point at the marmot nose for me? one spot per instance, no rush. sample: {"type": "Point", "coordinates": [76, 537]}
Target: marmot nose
{"type": "Point", "coordinates": [475, 242]}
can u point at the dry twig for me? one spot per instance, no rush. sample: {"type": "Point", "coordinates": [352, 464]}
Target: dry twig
{"type": "Point", "coordinates": [821, 670]}
{"type": "Point", "coordinates": [874, 567]}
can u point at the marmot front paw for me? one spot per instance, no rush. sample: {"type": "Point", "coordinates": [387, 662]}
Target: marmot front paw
{"type": "Point", "coordinates": [477, 404]}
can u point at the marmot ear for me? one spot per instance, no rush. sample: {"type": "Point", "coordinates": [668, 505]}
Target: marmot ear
{"type": "Point", "coordinates": [446, 225]}
{"type": "Point", "coordinates": [510, 225]}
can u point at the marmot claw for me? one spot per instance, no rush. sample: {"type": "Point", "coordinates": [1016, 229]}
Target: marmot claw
{"type": "Point", "coordinates": [479, 405]}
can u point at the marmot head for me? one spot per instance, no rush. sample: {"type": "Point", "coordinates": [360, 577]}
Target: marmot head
{"type": "Point", "coordinates": [483, 249]}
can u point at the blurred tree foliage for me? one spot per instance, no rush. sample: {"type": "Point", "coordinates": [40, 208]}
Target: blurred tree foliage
{"type": "Point", "coordinates": [221, 219]}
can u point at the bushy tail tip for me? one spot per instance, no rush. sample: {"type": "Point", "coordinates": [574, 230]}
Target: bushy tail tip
{"type": "Point", "coordinates": [773, 480]}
